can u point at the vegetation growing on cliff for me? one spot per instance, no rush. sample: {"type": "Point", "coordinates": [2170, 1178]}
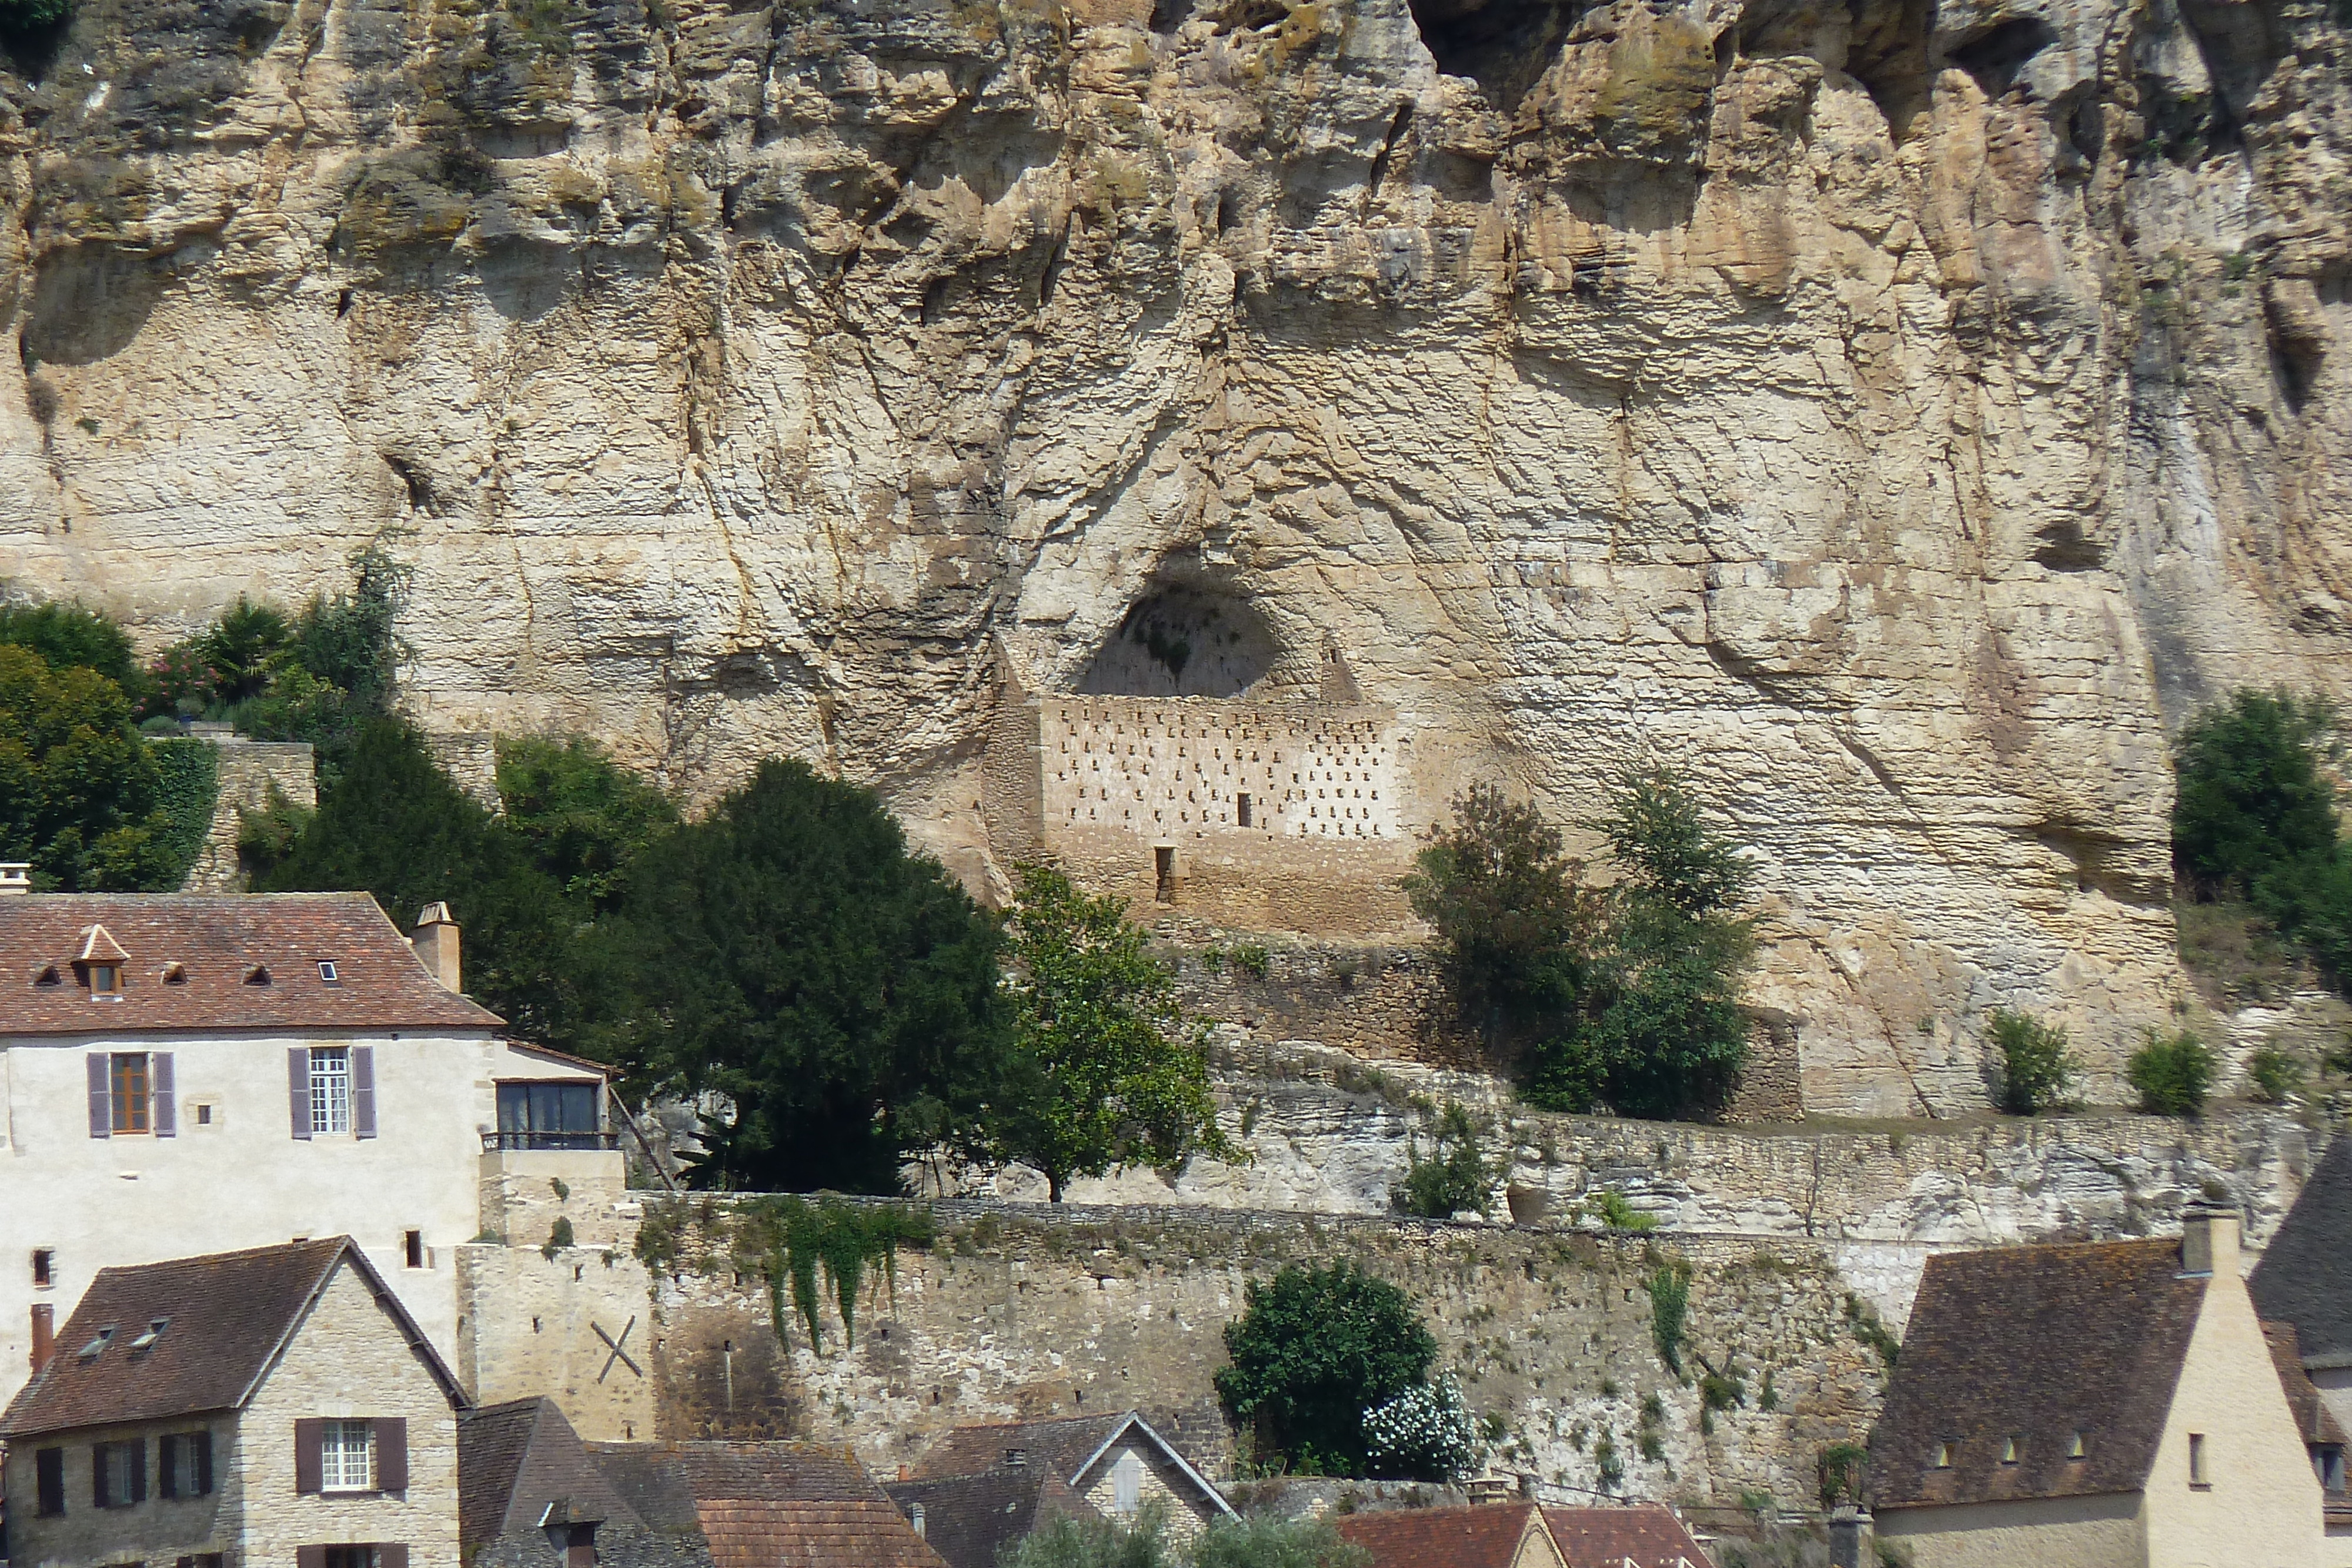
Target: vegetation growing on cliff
{"type": "Point", "coordinates": [2035, 1071]}
{"type": "Point", "coordinates": [1625, 996]}
{"type": "Point", "coordinates": [1112, 1073]}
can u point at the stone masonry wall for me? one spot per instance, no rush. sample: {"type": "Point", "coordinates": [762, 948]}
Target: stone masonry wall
{"type": "Point", "coordinates": [251, 771]}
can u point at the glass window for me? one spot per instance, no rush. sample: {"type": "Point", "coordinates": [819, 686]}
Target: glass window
{"type": "Point", "coordinates": [347, 1457]}
{"type": "Point", "coordinates": [330, 1089]}
{"type": "Point", "coordinates": [350, 1557]}
{"type": "Point", "coordinates": [127, 1084]}
{"type": "Point", "coordinates": [547, 1108]}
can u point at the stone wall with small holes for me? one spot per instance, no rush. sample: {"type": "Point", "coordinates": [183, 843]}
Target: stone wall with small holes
{"type": "Point", "coordinates": [252, 772]}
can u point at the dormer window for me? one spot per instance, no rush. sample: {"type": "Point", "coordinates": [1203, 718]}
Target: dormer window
{"type": "Point", "coordinates": [105, 980]}
{"type": "Point", "coordinates": [147, 1341]}
{"type": "Point", "coordinates": [97, 1347]}
{"type": "Point", "coordinates": [1944, 1455]}
{"type": "Point", "coordinates": [2013, 1449]}
{"type": "Point", "coordinates": [258, 975]}
{"type": "Point", "coordinates": [2075, 1447]}
{"type": "Point", "coordinates": [48, 975]}
{"type": "Point", "coordinates": [99, 964]}
{"type": "Point", "coordinates": [175, 973]}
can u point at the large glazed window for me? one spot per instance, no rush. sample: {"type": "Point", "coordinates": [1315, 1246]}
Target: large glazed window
{"type": "Point", "coordinates": [127, 1090]}
{"type": "Point", "coordinates": [549, 1115]}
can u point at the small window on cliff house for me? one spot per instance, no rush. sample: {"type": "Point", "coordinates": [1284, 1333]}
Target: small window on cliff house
{"type": "Point", "coordinates": [1242, 806]}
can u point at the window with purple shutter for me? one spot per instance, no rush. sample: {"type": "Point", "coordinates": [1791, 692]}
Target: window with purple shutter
{"type": "Point", "coordinates": [297, 1088]}
{"type": "Point", "coordinates": [166, 1121]}
{"type": "Point", "coordinates": [101, 1099]}
{"type": "Point", "coordinates": [363, 1090]}
{"type": "Point", "coordinates": [391, 1454]}
{"type": "Point", "coordinates": [308, 1436]}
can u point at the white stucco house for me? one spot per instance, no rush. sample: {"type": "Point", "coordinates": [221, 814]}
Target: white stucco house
{"type": "Point", "coordinates": [184, 1075]}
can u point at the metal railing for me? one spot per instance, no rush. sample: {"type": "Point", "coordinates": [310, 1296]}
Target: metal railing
{"type": "Point", "coordinates": [495, 1141]}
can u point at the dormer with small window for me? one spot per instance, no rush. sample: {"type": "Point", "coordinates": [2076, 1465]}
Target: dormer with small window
{"type": "Point", "coordinates": [99, 965]}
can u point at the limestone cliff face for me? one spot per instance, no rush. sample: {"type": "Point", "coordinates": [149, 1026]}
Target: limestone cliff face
{"type": "Point", "coordinates": [1893, 413]}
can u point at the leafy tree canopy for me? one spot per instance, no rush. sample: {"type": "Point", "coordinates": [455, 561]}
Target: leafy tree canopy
{"type": "Point", "coordinates": [1262, 1541]}
{"type": "Point", "coordinates": [790, 953]}
{"type": "Point", "coordinates": [583, 814]}
{"type": "Point", "coordinates": [1312, 1351]}
{"type": "Point", "coordinates": [79, 794]}
{"type": "Point", "coordinates": [68, 636]}
{"type": "Point", "coordinates": [1114, 1073]}
{"type": "Point", "coordinates": [1067, 1541]}
{"type": "Point", "coordinates": [2251, 797]}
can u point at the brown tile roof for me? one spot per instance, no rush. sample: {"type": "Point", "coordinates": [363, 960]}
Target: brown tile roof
{"type": "Point", "coordinates": [2037, 1343]}
{"type": "Point", "coordinates": [218, 942]}
{"type": "Point", "coordinates": [226, 1316]}
{"type": "Point", "coordinates": [753, 1533]}
{"type": "Point", "coordinates": [1646, 1535]}
{"type": "Point", "coordinates": [1060, 1446]}
{"type": "Point", "coordinates": [2305, 1276]}
{"type": "Point", "coordinates": [1483, 1536]}
{"type": "Point", "coordinates": [2312, 1418]}
{"type": "Point", "coordinates": [969, 1519]}
{"type": "Point", "coordinates": [513, 1460]}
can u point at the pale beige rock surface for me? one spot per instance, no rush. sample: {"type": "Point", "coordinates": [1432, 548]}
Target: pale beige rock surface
{"type": "Point", "coordinates": [1893, 415]}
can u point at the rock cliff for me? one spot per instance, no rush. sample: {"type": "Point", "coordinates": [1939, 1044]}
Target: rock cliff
{"type": "Point", "coordinates": [1894, 412]}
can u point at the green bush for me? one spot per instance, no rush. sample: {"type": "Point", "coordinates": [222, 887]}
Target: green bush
{"type": "Point", "coordinates": [2036, 1071]}
{"type": "Point", "coordinates": [1454, 1177]}
{"type": "Point", "coordinates": [68, 637]}
{"type": "Point", "coordinates": [1669, 1311]}
{"type": "Point", "coordinates": [1262, 1541]}
{"type": "Point", "coordinates": [1067, 1541]}
{"type": "Point", "coordinates": [20, 19]}
{"type": "Point", "coordinates": [1616, 1211]}
{"type": "Point", "coordinates": [2275, 1075]}
{"type": "Point", "coordinates": [1312, 1351]}
{"type": "Point", "coordinates": [2172, 1074]}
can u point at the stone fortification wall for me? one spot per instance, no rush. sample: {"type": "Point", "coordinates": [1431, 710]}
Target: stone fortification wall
{"type": "Point", "coordinates": [1025, 1310]}
{"type": "Point", "coordinates": [251, 773]}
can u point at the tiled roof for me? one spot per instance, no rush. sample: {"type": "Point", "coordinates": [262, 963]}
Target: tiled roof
{"type": "Point", "coordinates": [2035, 1342]}
{"type": "Point", "coordinates": [516, 1458]}
{"type": "Point", "coordinates": [969, 1519]}
{"type": "Point", "coordinates": [1647, 1535]}
{"type": "Point", "coordinates": [1487, 1535]}
{"type": "Point", "coordinates": [225, 1316]}
{"type": "Point", "coordinates": [2305, 1276]}
{"type": "Point", "coordinates": [219, 944]}
{"type": "Point", "coordinates": [753, 1534]}
{"type": "Point", "coordinates": [1060, 1446]}
{"type": "Point", "coordinates": [2312, 1418]}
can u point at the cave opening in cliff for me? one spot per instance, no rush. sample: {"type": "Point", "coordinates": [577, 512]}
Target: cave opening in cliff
{"type": "Point", "coordinates": [1504, 46]}
{"type": "Point", "coordinates": [1185, 640]}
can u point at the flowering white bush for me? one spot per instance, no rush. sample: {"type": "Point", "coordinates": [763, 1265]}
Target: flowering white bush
{"type": "Point", "coordinates": [1426, 1433]}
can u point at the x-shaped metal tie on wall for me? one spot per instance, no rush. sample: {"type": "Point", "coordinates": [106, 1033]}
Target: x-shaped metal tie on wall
{"type": "Point", "coordinates": [614, 1345]}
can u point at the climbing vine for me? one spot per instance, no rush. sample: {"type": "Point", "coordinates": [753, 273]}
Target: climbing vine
{"type": "Point", "coordinates": [792, 1241]}
{"type": "Point", "coordinates": [1669, 1307]}
{"type": "Point", "coordinates": [187, 786]}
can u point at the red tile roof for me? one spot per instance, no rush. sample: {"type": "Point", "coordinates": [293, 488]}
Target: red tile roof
{"type": "Point", "coordinates": [1485, 1536]}
{"type": "Point", "coordinates": [1646, 1535]}
{"type": "Point", "coordinates": [753, 1533]}
{"type": "Point", "coordinates": [218, 943]}
{"type": "Point", "coordinates": [225, 1317]}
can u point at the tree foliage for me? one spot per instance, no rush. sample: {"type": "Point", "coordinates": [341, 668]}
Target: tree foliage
{"type": "Point", "coordinates": [1264, 1540]}
{"type": "Point", "coordinates": [79, 796]}
{"type": "Point", "coordinates": [2035, 1071]}
{"type": "Point", "coordinates": [1312, 1351]}
{"type": "Point", "coordinates": [1114, 1072]}
{"type": "Point", "coordinates": [70, 636]}
{"type": "Point", "coordinates": [582, 814]}
{"type": "Point", "coordinates": [1424, 1434]}
{"type": "Point", "coordinates": [788, 952]}
{"type": "Point", "coordinates": [1072, 1541]}
{"type": "Point", "coordinates": [1625, 996]}
{"type": "Point", "coordinates": [1454, 1177]}
{"type": "Point", "coordinates": [2172, 1074]}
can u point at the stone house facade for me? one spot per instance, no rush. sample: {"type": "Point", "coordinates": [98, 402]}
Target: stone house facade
{"type": "Point", "coordinates": [188, 1074]}
{"type": "Point", "coordinates": [2112, 1406]}
{"type": "Point", "coordinates": [271, 1408]}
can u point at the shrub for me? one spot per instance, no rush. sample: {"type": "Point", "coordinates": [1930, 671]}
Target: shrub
{"type": "Point", "coordinates": [1251, 959]}
{"type": "Point", "coordinates": [1262, 1541]}
{"type": "Point", "coordinates": [2036, 1071]}
{"type": "Point", "coordinates": [68, 637]}
{"type": "Point", "coordinates": [2275, 1075]}
{"type": "Point", "coordinates": [1609, 1464]}
{"type": "Point", "coordinates": [1424, 1434]}
{"type": "Point", "coordinates": [1312, 1351]}
{"type": "Point", "coordinates": [2172, 1074]}
{"type": "Point", "coordinates": [2251, 796]}
{"type": "Point", "coordinates": [1617, 1212]}
{"type": "Point", "coordinates": [1454, 1177]}
{"type": "Point", "coordinates": [20, 19]}
{"type": "Point", "coordinates": [1669, 1309]}
{"type": "Point", "coordinates": [1067, 1540]}
{"type": "Point", "coordinates": [1840, 1469]}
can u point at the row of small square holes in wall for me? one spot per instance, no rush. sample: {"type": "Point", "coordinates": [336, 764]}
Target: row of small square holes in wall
{"type": "Point", "coordinates": [413, 1254]}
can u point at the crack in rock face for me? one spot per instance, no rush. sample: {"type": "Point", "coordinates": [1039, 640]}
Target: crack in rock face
{"type": "Point", "coordinates": [1894, 417]}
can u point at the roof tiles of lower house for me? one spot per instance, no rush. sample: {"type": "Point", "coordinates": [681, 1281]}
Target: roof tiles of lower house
{"type": "Point", "coordinates": [1061, 1444]}
{"type": "Point", "coordinates": [250, 962]}
{"type": "Point", "coordinates": [767, 1533]}
{"type": "Point", "coordinates": [969, 1519]}
{"type": "Point", "coordinates": [1644, 1535]}
{"type": "Point", "coordinates": [1484, 1535]}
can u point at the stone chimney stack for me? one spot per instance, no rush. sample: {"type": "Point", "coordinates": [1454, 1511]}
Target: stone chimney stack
{"type": "Point", "coordinates": [436, 940]}
{"type": "Point", "coordinates": [2209, 1240]}
{"type": "Point", "coordinates": [15, 879]}
{"type": "Point", "coordinates": [1852, 1538]}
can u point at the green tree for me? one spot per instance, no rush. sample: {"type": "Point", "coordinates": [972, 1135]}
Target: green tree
{"type": "Point", "coordinates": [1115, 1073]}
{"type": "Point", "coordinates": [78, 796]}
{"type": "Point", "coordinates": [583, 814]}
{"type": "Point", "coordinates": [2250, 795]}
{"type": "Point", "coordinates": [243, 648]}
{"type": "Point", "coordinates": [1312, 1351]}
{"type": "Point", "coordinates": [788, 952]}
{"type": "Point", "coordinates": [1515, 921]}
{"type": "Point", "coordinates": [68, 636]}
{"type": "Point", "coordinates": [2172, 1074]}
{"type": "Point", "coordinates": [1262, 1541]}
{"type": "Point", "coordinates": [1069, 1541]}
{"type": "Point", "coordinates": [1455, 1176]}
{"type": "Point", "coordinates": [2036, 1072]}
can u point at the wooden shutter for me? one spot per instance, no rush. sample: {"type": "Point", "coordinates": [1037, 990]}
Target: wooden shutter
{"type": "Point", "coordinates": [200, 1463]}
{"type": "Point", "coordinates": [165, 1119]}
{"type": "Point", "coordinates": [101, 1105]}
{"type": "Point", "coordinates": [308, 1436]}
{"type": "Point", "coordinates": [139, 1469]}
{"type": "Point", "coordinates": [391, 1454]}
{"type": "Point", "coordinates": [298, 1092]}
{"type": "Point", "coordinates": [310, 1557]}
{"type": "Point", "coordinates": [363, 1090]}
{"type": "Point", "coordinates": [98, 1496]}
{"type": "Point", "coordinates": [167, 1464]}
{"type": "Point", "coordinates": [49, 1481]}
{"type": "Point", "coordinates": [391, 1554]}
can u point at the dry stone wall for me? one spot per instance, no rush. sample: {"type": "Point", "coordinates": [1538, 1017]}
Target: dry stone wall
{"type": "Point", "coordinates": [254, 774]}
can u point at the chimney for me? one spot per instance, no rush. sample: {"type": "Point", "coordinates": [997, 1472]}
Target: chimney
{"type": "Point", "coordinates": [2209, 1240]}
{"type": "Point", "coordinates": [1852, 1538]}
{"type": "Point", "coordinates": [45, 1335]}
{"type": "Point", "coordinates": [436, 940]}
{"type": "Point", "coordinates": [921, 1523]}
{"type": "Point", "coordinates": [15, 878]}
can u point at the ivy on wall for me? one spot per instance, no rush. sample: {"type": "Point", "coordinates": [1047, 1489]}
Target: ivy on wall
{"type": "Point", "coordinates": [187, 788]}
{"type": "Point", "coordinates": [790, 1242]}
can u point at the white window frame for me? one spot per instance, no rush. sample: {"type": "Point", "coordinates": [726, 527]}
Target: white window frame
{"type": "Point", "coordinates": [331, 1089]}
{"type": "Point", "coordinates": [347, 1457]}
